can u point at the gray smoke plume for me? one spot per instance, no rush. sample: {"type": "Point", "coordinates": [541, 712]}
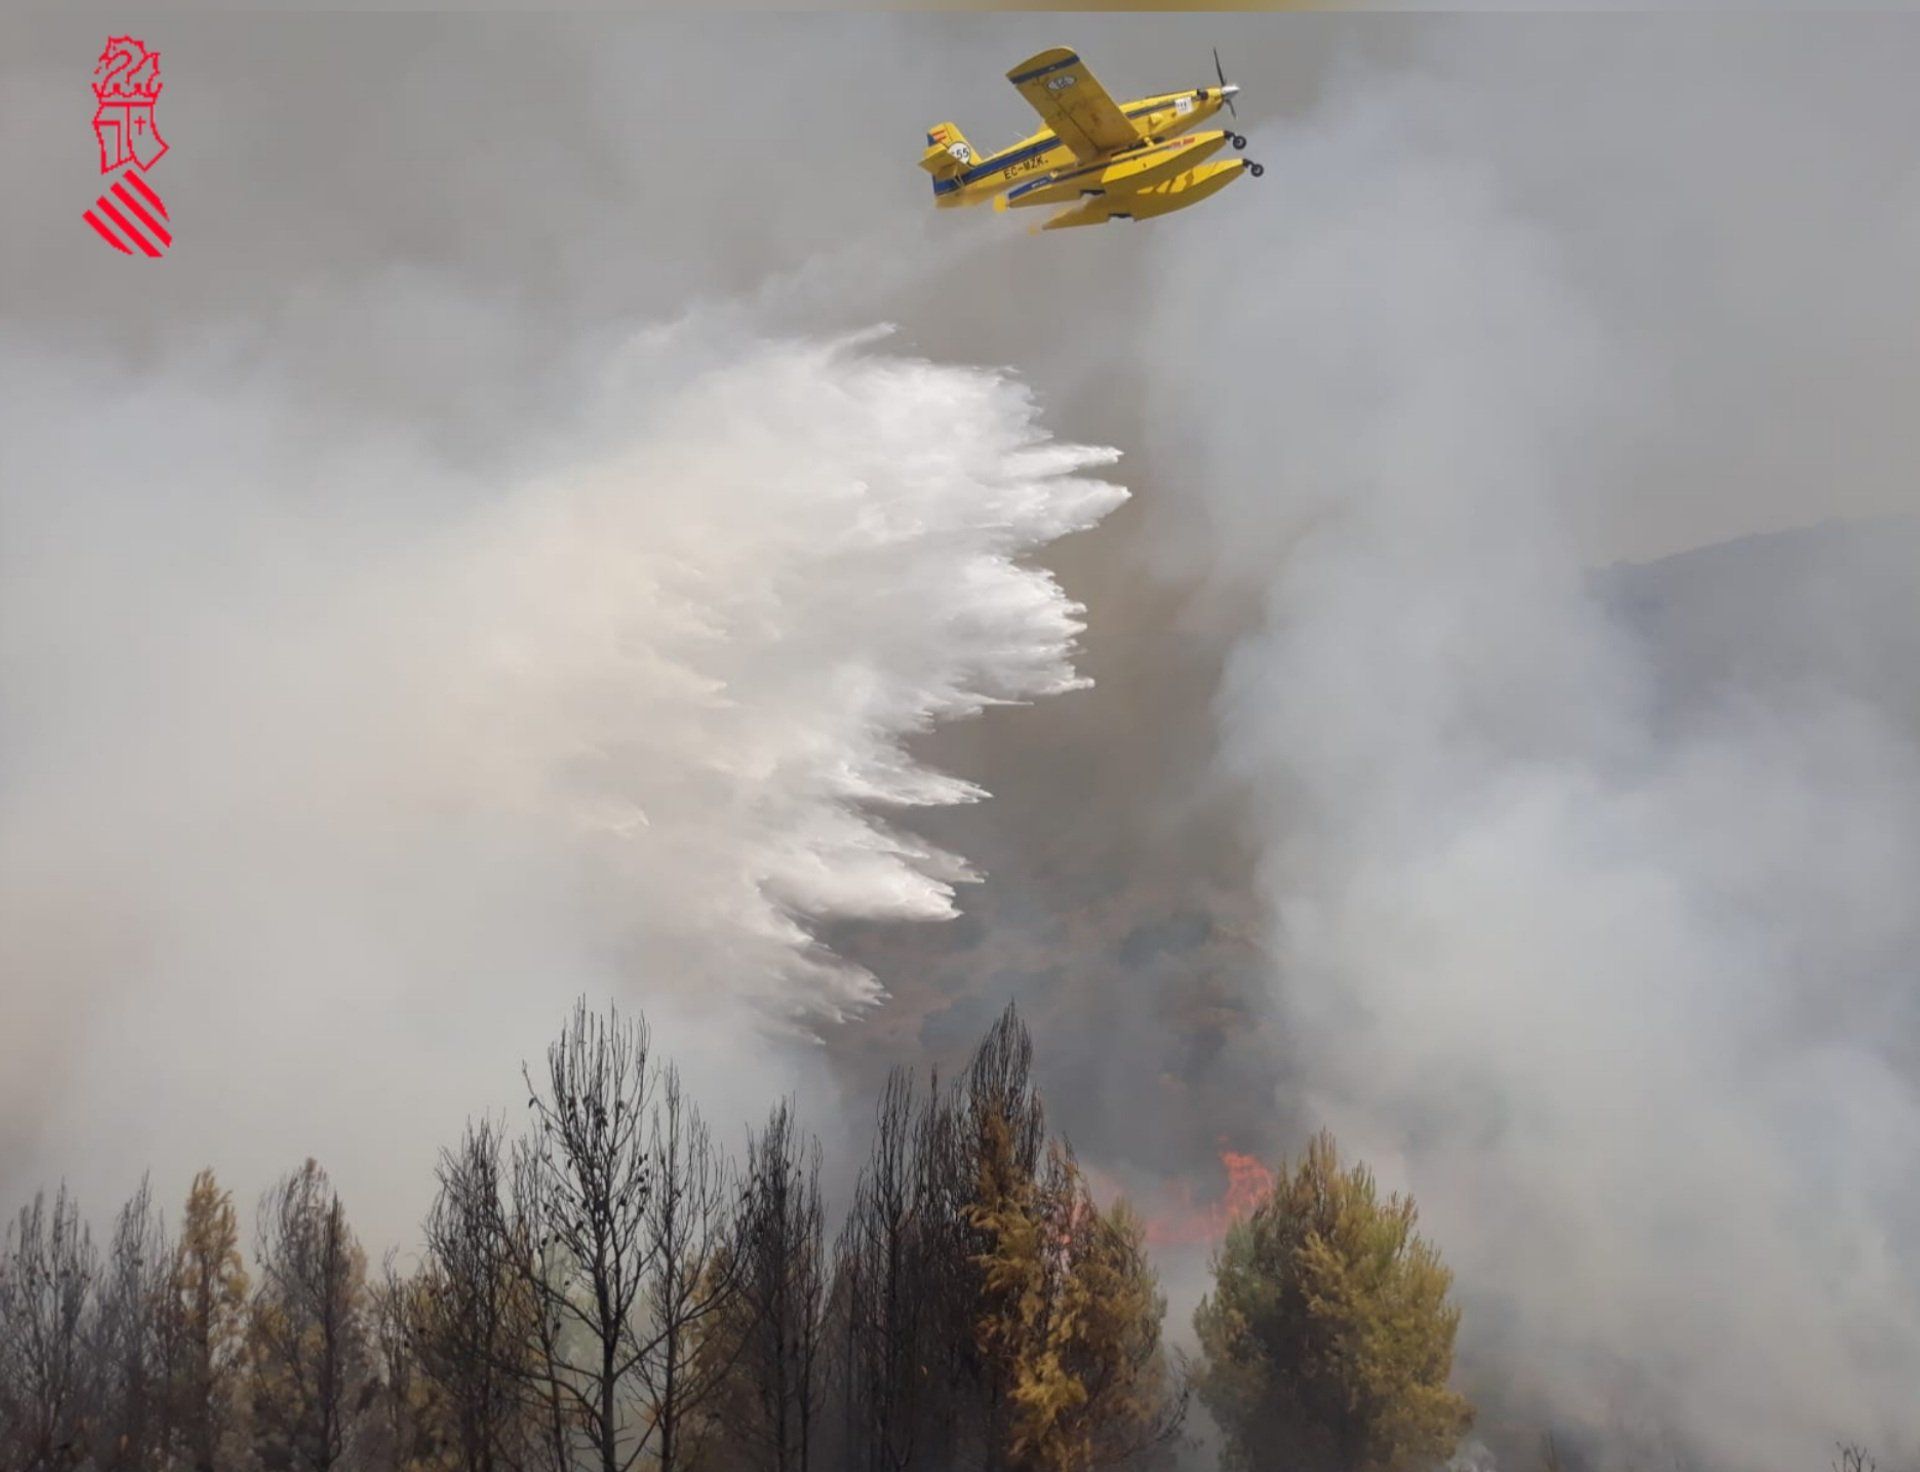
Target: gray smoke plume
{"type": "Point", "coordinates": [1592, 900]}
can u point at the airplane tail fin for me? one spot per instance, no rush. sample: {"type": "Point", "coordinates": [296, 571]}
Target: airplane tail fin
{"type": "Point", "coordinates": [948, 156]}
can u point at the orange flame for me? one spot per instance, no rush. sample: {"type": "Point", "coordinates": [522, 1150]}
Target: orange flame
{"type": "Point", "coordinates": [1188, 1223]}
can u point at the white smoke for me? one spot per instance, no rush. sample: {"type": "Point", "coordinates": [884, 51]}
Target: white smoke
{"type": "Point", "coordinates": [1618, 989]}
{"type": "Point", "coordinates": [336, 768]}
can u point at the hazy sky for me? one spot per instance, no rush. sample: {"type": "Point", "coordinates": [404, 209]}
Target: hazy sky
{"type": "Point", "coordinates": [458, 576]}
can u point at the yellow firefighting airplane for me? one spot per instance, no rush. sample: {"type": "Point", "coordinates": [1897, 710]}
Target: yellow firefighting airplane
{"type": "Point", "coordinates": [1115, 162]}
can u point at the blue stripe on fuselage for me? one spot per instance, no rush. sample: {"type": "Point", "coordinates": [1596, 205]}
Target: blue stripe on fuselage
{"type": "Point", "coordinates": [1172, 144]}
{"type": "Point", "coordinates": [1007, 160]}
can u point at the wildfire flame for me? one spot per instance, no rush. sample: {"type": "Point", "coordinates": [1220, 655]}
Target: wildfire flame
{"type": "Point", "coordinates": [1190, 1223]}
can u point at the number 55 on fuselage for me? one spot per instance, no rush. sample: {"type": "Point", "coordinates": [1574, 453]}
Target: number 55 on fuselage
{"type": "Point", "coordinates": [1108, 160]}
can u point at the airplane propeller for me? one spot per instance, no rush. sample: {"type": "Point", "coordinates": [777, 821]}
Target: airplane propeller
{"type": "Point", "coordinates": [1226, 92]}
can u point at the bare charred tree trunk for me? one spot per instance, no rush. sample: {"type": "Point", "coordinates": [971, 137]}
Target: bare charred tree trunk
{"type": "Point", "coordinates": [309, 1331]}
{"type": "Point", "coordinates": [781, 1311]}
{"type": "Point", "coordinates": [916, 1388]}
{"type": "Point", "coordinates": [693, 1279]}
{"type": "Point", "coordinates": [959, 1415]}
{"type": "Point", "coordinates": [470, 1315]}
{"type": "Point", "coordinates": [880, 1287]}
{"type": "Point", "coordinates": [536, 1263]}
{"type": "Point", "coordinates": [584, 1184]}
{"type": "Point", "coordinates": [48, 1276]}
{"type": "Point", "coordinates": [129, 1346]}
{"type": "Point", "coordinates": [408, 1431]}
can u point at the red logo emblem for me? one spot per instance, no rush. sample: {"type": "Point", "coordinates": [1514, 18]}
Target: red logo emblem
{"type": "Point", "coordinates": [130, 216]}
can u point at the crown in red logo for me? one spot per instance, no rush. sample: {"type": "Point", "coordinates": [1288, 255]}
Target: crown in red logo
{"type": "Point", "coordinates": [127, 71]}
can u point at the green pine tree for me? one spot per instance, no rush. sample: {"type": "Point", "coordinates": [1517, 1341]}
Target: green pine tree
{"type": "Point", "coordinates": [1328, 1338]}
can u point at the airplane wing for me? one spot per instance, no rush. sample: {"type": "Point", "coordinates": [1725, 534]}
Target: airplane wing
{"type": "Point", "coordinates": [1073, 103]}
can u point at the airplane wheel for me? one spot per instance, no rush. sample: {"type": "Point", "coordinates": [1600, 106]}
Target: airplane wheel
{"type": "Point", "coordinates": [1256, 169]}
{"type": "Point", "coordinates": [1239, 140]}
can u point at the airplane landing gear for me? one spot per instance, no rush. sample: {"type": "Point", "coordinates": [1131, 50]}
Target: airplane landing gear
{"type": "Point", "coordinates": [1256, 169]}
{"type": "Point", "coordinates": [1238, 140]}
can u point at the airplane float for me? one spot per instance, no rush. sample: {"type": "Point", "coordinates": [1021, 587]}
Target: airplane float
{"type": "Point", "coordinates": [1111, 162]}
